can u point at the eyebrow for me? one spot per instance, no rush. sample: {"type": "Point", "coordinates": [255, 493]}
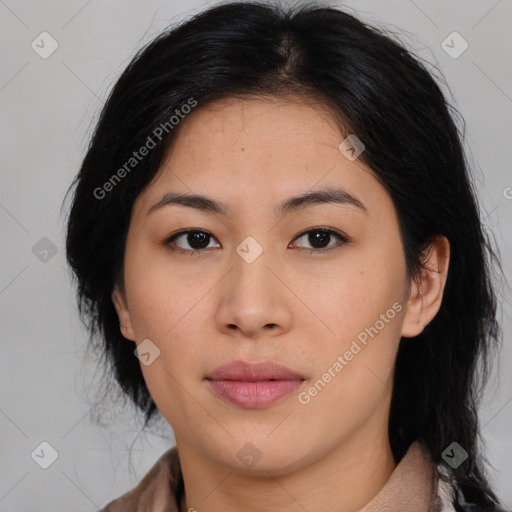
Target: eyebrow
{"type": "Point", "coordinates": [327, 195]}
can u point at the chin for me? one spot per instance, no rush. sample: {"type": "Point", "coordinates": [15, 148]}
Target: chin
{"type": "Point", "coordinates": [260, 458]}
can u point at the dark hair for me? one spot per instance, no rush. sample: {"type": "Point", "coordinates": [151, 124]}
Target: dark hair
{"type": "Point", "coordinates": [378, 91]}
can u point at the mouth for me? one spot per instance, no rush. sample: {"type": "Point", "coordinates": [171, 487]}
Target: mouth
{"type": "Point", "coordinates": [254, 394]}
{"type": "Point", "coordinates": [253, 386]}
{"type": "Point", "coordinates": [253, 372]}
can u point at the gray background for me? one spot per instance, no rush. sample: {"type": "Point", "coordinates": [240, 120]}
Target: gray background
{"type": "Point", "coordinates": [48, 107]}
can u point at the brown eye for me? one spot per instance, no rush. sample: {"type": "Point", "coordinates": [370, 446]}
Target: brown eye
{"type": "Point", "coordinates": [193, 242]}
{"type": "Point", "coordinates": [320, 238]}
{"type": "Point", "coordinates": [195, 239]}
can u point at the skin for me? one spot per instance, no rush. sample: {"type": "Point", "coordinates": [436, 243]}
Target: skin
{"type": "Point", "coordinates": [298, 309]}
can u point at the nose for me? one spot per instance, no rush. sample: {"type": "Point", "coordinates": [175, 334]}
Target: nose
{"type": "Point", "coordinates": [254, 300]}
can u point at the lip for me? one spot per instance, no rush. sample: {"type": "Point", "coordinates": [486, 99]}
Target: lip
{"type": "Point", "coordinates": [252, 372]}
{"type": "Point", "coordinates": [253, 386]}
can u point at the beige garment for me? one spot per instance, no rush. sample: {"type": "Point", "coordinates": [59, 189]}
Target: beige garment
{"type": "Point", "coordinates": [414, 486]}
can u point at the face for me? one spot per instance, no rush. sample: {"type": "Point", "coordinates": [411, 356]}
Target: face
{"type": "Point", "coordinates": [318, 287]}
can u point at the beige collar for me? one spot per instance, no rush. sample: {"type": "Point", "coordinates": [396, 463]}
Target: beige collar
{"type": "Point", "coordinates": [412, 486]}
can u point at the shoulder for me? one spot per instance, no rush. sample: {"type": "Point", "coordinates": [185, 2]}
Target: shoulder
{"type": "Point", "coordinates": [445, 501]}
{"type": "Point", "coordinates": [157, 488]}
{"type": "Point", "coordinates": [470, 507]}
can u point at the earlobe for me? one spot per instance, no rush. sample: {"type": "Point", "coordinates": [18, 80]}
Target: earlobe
{"type": "Point", "coordinates": [123, 313]}
{"type": "Point", "coordinates": [427, 291]}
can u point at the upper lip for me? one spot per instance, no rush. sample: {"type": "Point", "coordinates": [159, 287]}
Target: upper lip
{"type": "Point", "coordinates": [252, 372]}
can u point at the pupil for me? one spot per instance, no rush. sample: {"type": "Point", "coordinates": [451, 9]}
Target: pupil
{"type": "Point", "coordinates": [201, 239]}
{"type": "Point", "coordinates": [318, 237]}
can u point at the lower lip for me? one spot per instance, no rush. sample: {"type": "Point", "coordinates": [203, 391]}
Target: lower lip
{"type": "Point", "coordinates": [254, 395]}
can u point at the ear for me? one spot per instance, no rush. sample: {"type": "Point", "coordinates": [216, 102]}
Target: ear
{"type": "Point", "coordinates": [427, 291]}
{"type": "Point", "coordinates": [123, 313]}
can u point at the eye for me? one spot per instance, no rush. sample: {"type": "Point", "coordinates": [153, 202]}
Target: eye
{"type": "Point", "coordinates": [319, 238]}
{"type": "Point", "coordinates": [198, 240]}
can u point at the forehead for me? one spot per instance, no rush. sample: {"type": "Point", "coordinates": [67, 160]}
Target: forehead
{"type": "Point", "coordinates": [233, 134]}
{"type": "Point", "coordinates": [263, 126]}
{"type": "Point", "coordinates": [259, 149]}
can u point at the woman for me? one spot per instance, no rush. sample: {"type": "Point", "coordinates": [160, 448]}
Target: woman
{"type": "Point", "coordinates": [275, 216]}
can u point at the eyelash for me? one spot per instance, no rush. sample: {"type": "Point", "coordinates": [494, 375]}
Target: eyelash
{"type": "Point", "coordinates": [197, 252]}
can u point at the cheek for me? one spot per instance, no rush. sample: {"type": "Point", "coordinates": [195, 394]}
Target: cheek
{"type": "Point", "coordinates": [362, 305]}
{"type": "Point", "coordinates": [159, 293]}
{"type": "Point", "coordinates": [168, 307]}
{"type": "Point", "coordinates": [354, 374]}
{"type": "Point", "coordinates": [352, 296]}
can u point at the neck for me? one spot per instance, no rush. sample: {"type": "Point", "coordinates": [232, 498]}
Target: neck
{"type": "Point", "coordinates": [344, 479]}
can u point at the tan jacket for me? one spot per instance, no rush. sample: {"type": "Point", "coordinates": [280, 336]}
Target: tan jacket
{"type": "Point", "coordinates": [414, 486]}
